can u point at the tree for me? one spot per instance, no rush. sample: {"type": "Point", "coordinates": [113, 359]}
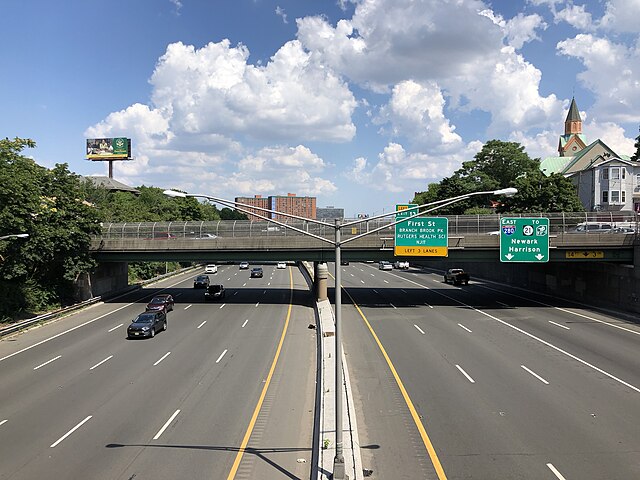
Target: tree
{"type": "Point", "coordinates": [636, 156]}
{"type": "Point", "coordinates": [538, 193]}
{"type": "Point", "coordinates": [497, 165]}
{"type": "Point", "coordinates": [50, 206]}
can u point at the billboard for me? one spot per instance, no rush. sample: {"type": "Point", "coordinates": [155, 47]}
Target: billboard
{"type": "Point", "coordinates": [108, 148]}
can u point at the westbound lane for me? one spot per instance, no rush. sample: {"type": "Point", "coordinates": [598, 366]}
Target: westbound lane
{"type": "Point", "coordinates": [479, 385]}
{"type": "Point", "coordinates": [176, 406]}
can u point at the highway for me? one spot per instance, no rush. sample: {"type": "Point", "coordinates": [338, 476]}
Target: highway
{"type": "Point", "coordinates": [227, 392]}
{"type": "Point", "coordinates": [487, 382]}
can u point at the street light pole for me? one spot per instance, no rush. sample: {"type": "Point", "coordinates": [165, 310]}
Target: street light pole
{"type": "Point", "coordinates": [338, 460]}
{"type": "Point", "coordinates": [15, 235]}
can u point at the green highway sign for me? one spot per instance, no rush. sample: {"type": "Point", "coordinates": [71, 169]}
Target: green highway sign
{"type": "Point", "coordinates": [524, 240]}
{"type": "Point", "coordinates": [420, 236]}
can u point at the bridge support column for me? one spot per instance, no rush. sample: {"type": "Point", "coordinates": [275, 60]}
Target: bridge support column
{"type": "Point", "coordinates": [320, 276]}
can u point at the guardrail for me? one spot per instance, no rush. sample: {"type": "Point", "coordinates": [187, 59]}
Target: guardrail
{"type": "Point", "coordinates": [458, 225]}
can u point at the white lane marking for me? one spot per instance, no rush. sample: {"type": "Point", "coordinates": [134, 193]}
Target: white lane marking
{"type": "Point", "coordinates": [221, 306]}
{"type": "Point", "coordinates": [352, 274]}
{"type": "Point", "coordinates": [47, 362]}
{"type": "Point", "coordinates": [163, 357]}
{"type": "Point", "coordinates": [361, 270]}
{"type": "Point", "coordinates": [229, 279]}
{"type": "Point", "coordinates": [372, 274]}
{"type": "Point", "coordinates": [465, 374]}
{"type": "Point", "coordinates": [257, 304]}
{"type": "Point", "coordinates": [202, 324]}
{"type": "Point", "coordinates": [403, 290]}
{"type": "Point", "coordinates": [393, 306]}
{"type": "Point", "coordinates": [361, 281]}
{"type": "Point", "coordinates": [567, 311]}
{"type": "Point", "coordinates": [221, 355]}
{"type": "Point", "coordinates": [164, 427]}
{"type": "Point", "coordinates": [558, 325]}
{"type": "Point", "coordinates": [386, 281]}
{"type": "Point", "coordinates": [244, 284]}
{"type": "Point", "coordinates": [375, 291]}
{"type": "Point", "coordinates": [502, 304]}
{"type": "Point", "coordinates": [430, 306]}
{"type": "Point", "coordinates": [235, 293]}
{"type": "Point", "coordinates": [245, 323]}
{"type": "Point", "coordinates": [115, 328]}
{"type": "Point", "coordinates": [419, 329]}
{"type": "Point", "coordinates": [530, 335]}
{"type": "Point", "coordinates": [188, 306]}
{"type": "Point", "coordinates": [70, 432]}
{"type": "Point", "coordinates": [268, 284]}
{"type": "Point", "coordinates": [81, 325]}
{"type": "Point", "coordinates": [2, 422]}
{"type": "Point", "coordinates": [264, 292]}
{"type": "Point", "coordinates": [555, 471]}
{"type": "Point", "coordinates": [464, 328]}
{"type": "Point", "coordinates": [535, 375]}
{"type": "Point", "coordinates": [100, 363]}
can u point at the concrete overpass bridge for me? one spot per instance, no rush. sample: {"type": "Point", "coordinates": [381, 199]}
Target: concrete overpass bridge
{"type": "Point", "coordinates": [471, 238]}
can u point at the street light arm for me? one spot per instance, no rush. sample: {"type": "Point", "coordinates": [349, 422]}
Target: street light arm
{"type": "Point", "coordinates": [173, 193]}
{"type": "Point", "coordinates": [510, 191]}
{"type": "Point", "coordinates": [15, 235]}
{"type": "Point", "coordinates": [233, 204]}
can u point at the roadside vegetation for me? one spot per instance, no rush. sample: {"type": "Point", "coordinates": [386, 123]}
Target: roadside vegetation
{"type": "Point", "coordinates": [60, 211]}
{"type": "Point", "coordinates": [500, 165]}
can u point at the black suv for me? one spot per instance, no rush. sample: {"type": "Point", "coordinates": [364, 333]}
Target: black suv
{"type": "Point", "coordinates": [201, 281]}
{"type": "Point", "coordinates": [256, 272]}
{"type": "Point", "coordinates": [214, 292]}
{"type": "Point", "coordinates": [147, 324]}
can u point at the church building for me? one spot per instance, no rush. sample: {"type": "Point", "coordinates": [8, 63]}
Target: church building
{"type": "Point", "coordinates": [604, 179]}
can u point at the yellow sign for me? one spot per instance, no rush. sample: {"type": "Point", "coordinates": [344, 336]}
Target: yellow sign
{"type": "Point", "coordinates": [354, 230]}
{"type": "Point", "coordinates": [580, 254]}
{"type": "Point", "coordinates": [421, 251]}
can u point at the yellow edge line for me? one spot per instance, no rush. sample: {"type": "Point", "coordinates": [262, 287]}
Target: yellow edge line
{"type": "Point", "coordinates": [254, 417]}
{"type": "Point", "coordinates": [416, 418]}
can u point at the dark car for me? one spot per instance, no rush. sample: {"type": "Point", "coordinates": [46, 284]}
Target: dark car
{"type": "Point", "coordinates": [201, 281]}
{"type": "Point", "coordinates": [162, 302]}
{"type": "Point", "coordinates": [147, 324]}
{"type": "Point", "coordinates": [256, 272]}
{"type": "Point", "coordinates": [214, 292]}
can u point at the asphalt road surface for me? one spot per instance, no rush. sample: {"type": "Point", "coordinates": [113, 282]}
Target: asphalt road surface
{"type": "Point", "coordinates": [227, 392]}
{"type": "Point", "coordinates": [487, 382]}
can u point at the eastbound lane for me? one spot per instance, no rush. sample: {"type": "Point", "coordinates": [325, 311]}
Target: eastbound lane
{"type": "Point", "coordinates": [497, 396]}
{"type": "Point", "coordinates": [176, 406]}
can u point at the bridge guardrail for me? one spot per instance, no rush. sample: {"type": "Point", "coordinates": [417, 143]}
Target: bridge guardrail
{"type": "Point", "coordinates": [458, 225]}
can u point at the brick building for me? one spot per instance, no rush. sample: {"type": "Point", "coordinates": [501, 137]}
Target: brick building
{"type": "Point", "coordinates": [290, 203]}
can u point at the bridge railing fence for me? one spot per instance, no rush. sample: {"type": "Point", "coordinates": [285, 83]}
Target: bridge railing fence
{"type": "Point", "coordinates": [458, 225]}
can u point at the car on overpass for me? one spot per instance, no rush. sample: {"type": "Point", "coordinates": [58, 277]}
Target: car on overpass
{"type": "Point", "coordinates": [147, 324]}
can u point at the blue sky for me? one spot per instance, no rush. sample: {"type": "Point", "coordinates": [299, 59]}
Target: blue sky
{"type": "Point", "coordinates": [357, 102]}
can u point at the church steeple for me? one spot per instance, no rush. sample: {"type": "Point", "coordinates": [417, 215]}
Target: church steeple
{"type": "Point", "coordinates": [573, 140]}
{"type": "Point", "coordinates": [573, 123]}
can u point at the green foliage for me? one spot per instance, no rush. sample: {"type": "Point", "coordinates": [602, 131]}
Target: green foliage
{"type": "Point", "coordinates": [636, 156]}
{"type": "Point", "coordinates": [48, 205]}
{"type": "Point", "coordinates": [501, 165]}
{"type": "Point", "coordinates": [229, 214]}
{"type": "Point", "coordinates": [150, 206]}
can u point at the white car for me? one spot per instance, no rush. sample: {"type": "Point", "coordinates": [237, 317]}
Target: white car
{"type": "Point", "coordinates": [281, 265]}
{"type": "Point", "coordinates": [384, 265]}
{"type": "Point", "coordinates": [401, 265]}
{"type": "Point", "coordinates": [211, 269]}
{"type": "Point", "coordinates": [244, 266]}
